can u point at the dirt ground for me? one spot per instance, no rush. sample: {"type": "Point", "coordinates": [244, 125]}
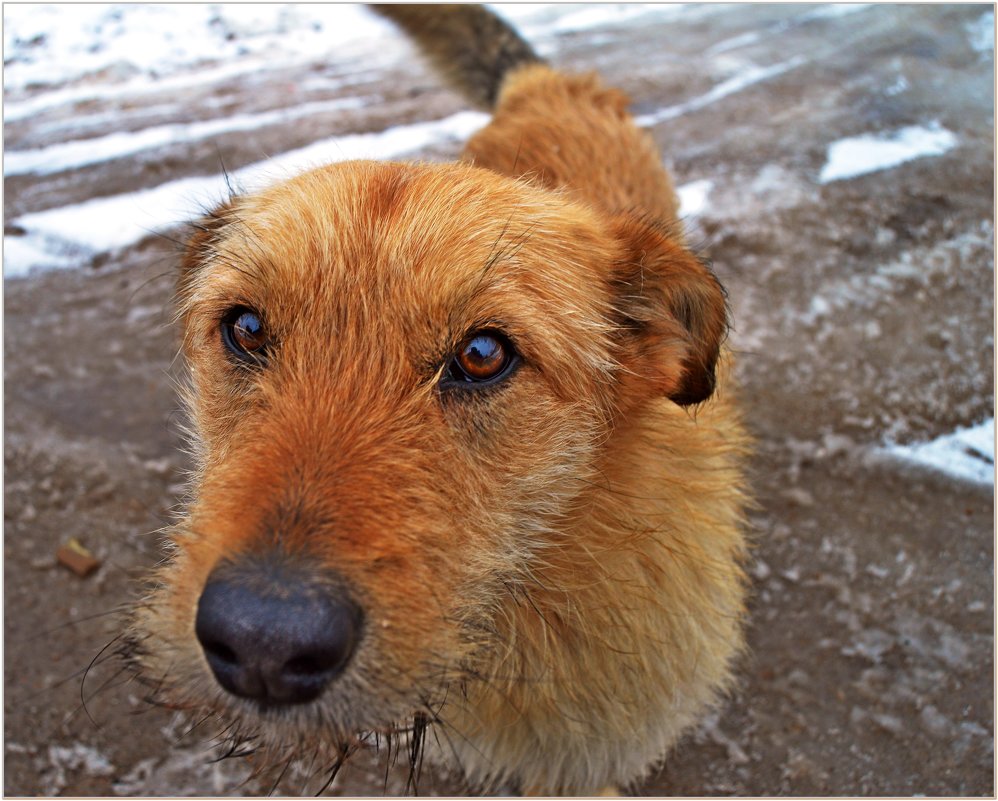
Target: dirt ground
{"type": "Point", "coordinates": [871, 667]}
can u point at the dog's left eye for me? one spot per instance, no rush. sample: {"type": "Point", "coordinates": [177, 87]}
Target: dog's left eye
{"type": "Point", "coordinates": [245, 335]}
{"type": "Point", "coordinates": [484, 357]}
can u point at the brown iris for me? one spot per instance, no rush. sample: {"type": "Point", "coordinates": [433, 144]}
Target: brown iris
{"type": "Point", "coordinates": [244, 334]}
{"type": "Point", "coordinates": [483, 356]}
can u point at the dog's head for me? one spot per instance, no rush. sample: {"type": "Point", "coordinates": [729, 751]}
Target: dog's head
{"type": "Point", "coordinates": [403, 381]}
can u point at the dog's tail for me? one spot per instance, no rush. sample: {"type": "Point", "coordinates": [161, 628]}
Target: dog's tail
{"type": "Point", "coordinates": [472, 47]}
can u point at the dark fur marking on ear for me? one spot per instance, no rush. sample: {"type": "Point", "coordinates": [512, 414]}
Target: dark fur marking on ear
{"type": "Point", "coordinates": [666, 294]}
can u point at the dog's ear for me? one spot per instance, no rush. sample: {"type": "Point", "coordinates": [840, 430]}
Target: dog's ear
{"type": "Point", "coordinates": [672, 311]}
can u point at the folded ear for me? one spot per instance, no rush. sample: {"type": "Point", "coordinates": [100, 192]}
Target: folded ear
{"type": "Point", "coordinates": [673, 312]}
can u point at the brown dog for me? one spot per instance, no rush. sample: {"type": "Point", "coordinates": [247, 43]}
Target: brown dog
{"type": "Point", "coordinates": [447, 470]}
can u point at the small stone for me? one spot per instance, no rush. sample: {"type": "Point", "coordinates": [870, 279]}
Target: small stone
{"type": "Point", "coordinates": [935, 722]}
{"type": "Point", "coordinates": [799, 496]}
{"type": "Point", "coordinates": [888, 723]}
{"type": "Point", "coordinates": [761, 570]}
{"type": "Point", "coordinates": [77, 558]}
{"type": "Point", "coordinates": [158, 466]}
{"type": "Point", "coordinates": [792, 575]}
{"type": "Point", "coordinates": [877, 571]}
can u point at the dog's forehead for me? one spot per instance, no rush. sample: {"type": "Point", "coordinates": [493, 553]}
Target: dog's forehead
{"type": "Point", "coordinates": [399, 229]}
{"type": "Point", "coordinates": [413, 257]}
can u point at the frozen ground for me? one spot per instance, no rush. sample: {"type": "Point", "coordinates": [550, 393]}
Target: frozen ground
{"type": "Point", "coordinates": [836, 164]}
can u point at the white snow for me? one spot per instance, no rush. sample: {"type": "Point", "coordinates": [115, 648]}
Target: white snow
{"type": "Point", "coordinates": [547, 19]}
{"type": "Point", "coordinates": [734, 42]}
{"type": "Point", "coordinates": [108, 52]}
{"type": "Point", "coordinates": [61, 56]}
{"type": "Point", "coordinates": [54, 44]}
{"type": "Point", "coordinates": [606, 15]}
{"type": "Point", "coordinates": [87, 51]}
{"type": "Point", "coordinates": [899, 86]}
{"type": "Point", "coordinates": [859, 155]}
{"type": "Point", "coordinates": [61, 237]}
{"type": "Point", "coordinates": [140, 85]}
{"type": "Point", "coordinates": [967, 453]}
{"type": "Point", "coordinates": [981, 33]}
{"type": "Point", "coordinates": [835, 10]}
{"type": "Point", "coordinates": [108, 223]}
{"type": "Point", "coordinates": [31, 251]}
{"type": "Point", "coordinates": [693, 197]}
{"type": "Point", "coordinates": [83, 152]}
{"type": "Point", "coordinates": [736, 83]}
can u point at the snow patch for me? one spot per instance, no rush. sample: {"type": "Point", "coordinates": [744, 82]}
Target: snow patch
{"type": "Point", "coordinates": [116, 50]}
{"type": "Point", "coordinates": [542, 24]}
{"type": "Point", "coordinates": [109, 223]}
{"type": "Point", "coordinates": [981, 33]}
{"type": "Point", "coordinates": [896, 88]}
{"type": "Point", "coordinates": [693, 197]}
{"type": "Point", "coordinates": [84, 152]}
{"type": "Point", "coordinates": [54, 44]}
{"type": "Point", "coordinates": [141, 85]}
{"type": "Point", "coordinates": [607, 15]}
{"type": "Point", "coordinates": [967, 453]}
{"type": "Point", "coordinates": [736, 83]}
{"type": "Point", "coordinates": [734, 42]}
{"type": "Point", "coordinates": [859, 155]}
{"type": "Point", "coordinates": [22, 252]}
{"type": "Point", "coordinates": [835, 10]}
{"type": "Point", "coordinates": [77, 757]}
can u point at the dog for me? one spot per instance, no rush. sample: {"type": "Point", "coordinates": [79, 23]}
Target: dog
{"type": "Point", "coordinates": [469, 460]}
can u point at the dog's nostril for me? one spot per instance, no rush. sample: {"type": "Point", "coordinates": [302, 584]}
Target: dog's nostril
{"type": "Point", "coordinates": [219, 651]}
{"type": "Point", "coordinates": [272, 636]}
{"type": "Point", "coordinates": [311, 664]}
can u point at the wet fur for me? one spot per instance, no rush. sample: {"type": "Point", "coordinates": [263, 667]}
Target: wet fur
{"type": "Point", "coordinates": [550, 567]}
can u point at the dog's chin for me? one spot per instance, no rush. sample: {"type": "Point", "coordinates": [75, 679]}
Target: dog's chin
{"type": "Point", "coordinates": [328, 728]}
{"type": "Point", "coordinates": [311, 737]}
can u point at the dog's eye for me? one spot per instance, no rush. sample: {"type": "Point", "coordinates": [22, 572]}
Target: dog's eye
{"type": "Point", "coordinates": [483, 357]}
{"type": "Point", "coordinates": [244, 335]}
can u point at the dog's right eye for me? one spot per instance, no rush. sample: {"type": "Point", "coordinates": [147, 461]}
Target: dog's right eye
{"type": "Point", "coordinates": [244, 335]}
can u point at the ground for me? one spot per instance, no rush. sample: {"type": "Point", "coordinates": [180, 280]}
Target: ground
{"type": "Point", "coordinates": [863, 313]}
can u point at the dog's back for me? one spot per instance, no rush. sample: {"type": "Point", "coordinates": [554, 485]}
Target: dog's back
{"type": "Point", "coordinates": [557, 129]}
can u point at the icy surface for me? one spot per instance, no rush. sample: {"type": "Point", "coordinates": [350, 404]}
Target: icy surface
{"type": "Point", "coordinates": [607, 14]}
{"type": "Point", "coordinates": [54, 44]}
{"type": "Point", "coordinates": [859, 155]}
{"type": "Point", "coordinates": [84, 152]}
{"type": "Point", "coordinates": [734, 42]}
{"type": "Point", "coordinates": [967, 453]}
{"type": "Point", "coordinates": [736, 83]}
{"type": "Point", "coordinates": [22, 253]}
{"type": "Point", "coordinates": [835, 10]}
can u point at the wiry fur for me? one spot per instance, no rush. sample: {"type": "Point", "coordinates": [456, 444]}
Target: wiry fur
{"type": "Point", "coordinates": [549, 568]}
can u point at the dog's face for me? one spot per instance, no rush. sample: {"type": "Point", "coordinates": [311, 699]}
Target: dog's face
{"type": "Point", "coordinates": [403, 380]}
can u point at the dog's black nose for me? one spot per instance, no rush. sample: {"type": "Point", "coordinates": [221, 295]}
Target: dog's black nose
{"type": "Point", "coordinates": [272, 635]}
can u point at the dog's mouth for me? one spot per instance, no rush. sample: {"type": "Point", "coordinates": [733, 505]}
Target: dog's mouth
{"type": "Point", "coordinates": [325, 731]}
